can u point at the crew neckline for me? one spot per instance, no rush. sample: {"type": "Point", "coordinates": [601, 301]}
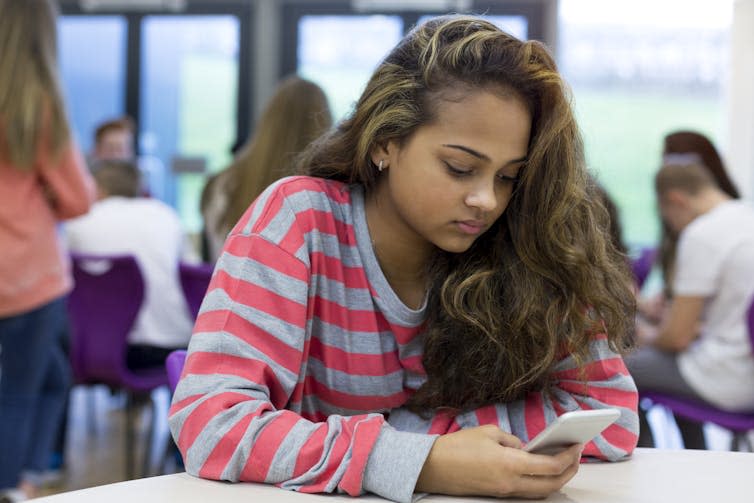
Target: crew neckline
{"type": "Point", "coordinates": [394, 309]}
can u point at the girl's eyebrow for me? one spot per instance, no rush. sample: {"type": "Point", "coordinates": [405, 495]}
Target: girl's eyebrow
{"type": "Point", "coordinates": [468, 150]}
{"type": "Point", "coordinates": [482, 156]}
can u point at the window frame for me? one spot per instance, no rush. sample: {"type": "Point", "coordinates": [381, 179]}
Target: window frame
{"type": "Point", "coordinates": [535, 11]}
{"type": "Point", "coordinates": [242, 10]}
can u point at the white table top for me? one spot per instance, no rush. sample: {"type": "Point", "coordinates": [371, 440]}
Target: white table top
{"type": "Point", "coordinates": [652, 476]}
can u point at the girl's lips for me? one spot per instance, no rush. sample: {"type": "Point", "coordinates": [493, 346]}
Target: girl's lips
{"type": "Point", "coordinates": [470, 226]}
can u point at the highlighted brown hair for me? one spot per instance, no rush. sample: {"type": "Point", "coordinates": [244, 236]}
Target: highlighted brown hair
{"type": "Point", "coordinates": [546, 277]}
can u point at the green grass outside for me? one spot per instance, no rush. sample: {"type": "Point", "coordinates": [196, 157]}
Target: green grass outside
{"type": "Point", "coordinates": [207, 126]}
{"type": "Point", "coordinates": [623, 132]}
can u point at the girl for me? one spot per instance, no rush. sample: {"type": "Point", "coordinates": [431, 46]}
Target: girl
{"type": "Point", "coordinates": [43, 179]}
{"type": "Point", "coordinates": [438, 289]}
{"type": "Point", "coordinates": [296, 115]}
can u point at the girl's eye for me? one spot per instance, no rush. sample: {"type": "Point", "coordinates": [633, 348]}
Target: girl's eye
{"type": "Point", "coordinates": [456, 171]}
{"type": "Point", "coordinates": [507, 179]}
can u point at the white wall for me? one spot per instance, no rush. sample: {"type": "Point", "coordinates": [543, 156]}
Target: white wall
{"type": "Point", "coordinates": [739, 150]}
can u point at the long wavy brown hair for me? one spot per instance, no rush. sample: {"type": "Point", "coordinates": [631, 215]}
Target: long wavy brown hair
{"type": "Point", "coordinates": [31, 101]}
{"type": "Point", "coordinates": [296, 114]}
{"type": "Point", "coordinates": [546, 276]}
{"type": "Point", "coordinates": [690, 148]}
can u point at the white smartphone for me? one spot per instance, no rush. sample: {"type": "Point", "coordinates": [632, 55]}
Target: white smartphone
{"type": "Point", "coordinates": [575, 427]}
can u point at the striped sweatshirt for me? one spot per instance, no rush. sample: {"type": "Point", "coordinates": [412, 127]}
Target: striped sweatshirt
{"type": "Point", "coordinates": [302, 356]}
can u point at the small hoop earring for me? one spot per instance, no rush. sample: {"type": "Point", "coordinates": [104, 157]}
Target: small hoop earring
{"type": "Point", "coordinates": [379, 166]}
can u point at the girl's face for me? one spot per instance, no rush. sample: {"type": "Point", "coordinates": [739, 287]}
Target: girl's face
{"type": "Point", "coordinates": [453, 178]}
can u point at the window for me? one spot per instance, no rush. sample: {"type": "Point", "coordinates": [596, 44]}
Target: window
{"type": "Point", "coordinates": [518, 26]}
{"type": "Point", "coordinates": [635, 78]}
{"type": "Point", "coordinates": [339, 52]}
{"type": "Point", "coordinates": [177, 74]}
{"type": "Point", "coordinates": [338, 48]}
{"type": "Point", "coordinates": [95, 85]}
{"type": "Point", "coordinates": [189, 95]}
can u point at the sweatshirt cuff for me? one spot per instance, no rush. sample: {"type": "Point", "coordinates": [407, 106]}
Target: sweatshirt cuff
{"type": "Point", "coordinates": [395, 462]}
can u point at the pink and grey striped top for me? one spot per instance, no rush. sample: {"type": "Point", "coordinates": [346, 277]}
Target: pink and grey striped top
{"type": "Point", "coordinates": [302, 356]}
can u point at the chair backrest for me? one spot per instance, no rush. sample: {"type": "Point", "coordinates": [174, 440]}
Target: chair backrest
{"type": "Point", "coordinates": [103, 306]}
{"type": "Point", "coordinates": [642, 265]}
{"type": "Point", "coordinates": [174, 366]}
{"type": "Point", "coordinates": [194, 282]}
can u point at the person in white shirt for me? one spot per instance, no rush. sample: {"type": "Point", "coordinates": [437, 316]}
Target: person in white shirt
{"type": "Point", "coordinates": [122, 222]}
{"type": "Point", "coordinates": [701, 348]}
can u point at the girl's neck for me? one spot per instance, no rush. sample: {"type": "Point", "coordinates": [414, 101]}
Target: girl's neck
{"type": "Point", "coordinates": [403, 256]}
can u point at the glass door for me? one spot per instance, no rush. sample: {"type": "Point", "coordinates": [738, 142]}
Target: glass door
{"type": "Point", "coordinates": [189, 92]}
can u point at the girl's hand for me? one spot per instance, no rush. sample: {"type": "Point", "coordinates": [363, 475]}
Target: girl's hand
{"type": "Point", "coordinates": [486, 461]}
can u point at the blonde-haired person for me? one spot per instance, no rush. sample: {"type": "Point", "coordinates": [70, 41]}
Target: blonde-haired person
{"type": "Point", "coordinates": [296, 114]}
{"type": "Point", "coordinates": [436, 291]}
{"type": "Point", "coordinates": [43, 179]}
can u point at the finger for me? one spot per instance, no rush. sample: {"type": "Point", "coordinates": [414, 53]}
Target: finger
{"type": "Point", "coordinates": [502, 437]}
{"type": "Point", "coordinates": [541, 486]}
{"type": "Point", "coordinates": [548, 464]}
{"type": "Point", "coordinates": [509, 440]}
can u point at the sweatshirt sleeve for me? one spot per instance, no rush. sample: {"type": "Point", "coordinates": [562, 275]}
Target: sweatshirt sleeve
{"type": "Point", "coordinates": [604, 383]}
{"type": "Point", "coordinates": [66, 177]}
{"type": "Point", "coordinates": [231, 413]}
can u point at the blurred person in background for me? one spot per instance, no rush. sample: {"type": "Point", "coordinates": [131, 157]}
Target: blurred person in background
{"type": "Point", "coordinates": [114, 139]}
{"type": "Point", "coordinates": [700, 347]}
{"type": "Point", "coordinates": [682, 148]}
{"type": "Point", "coordinates": [616, 228]}
{"type": "Point", "coordinates": [123, 222]}
{"type": "Point", "coordinates": [689, 147]}
{"type": "Point", "coordinates": [296, 114]}
{"type": "Point", "coordinates": [43, 179]}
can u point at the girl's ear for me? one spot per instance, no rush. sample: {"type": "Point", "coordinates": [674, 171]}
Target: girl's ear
{"type": "Point", "coordinates": [379, 153]}
{"type": "Point", "coordinates": [383, 153]}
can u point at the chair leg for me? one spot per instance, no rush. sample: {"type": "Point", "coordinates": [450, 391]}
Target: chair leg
{"type": "Point", "coordinates": [692, 433]}
{"type": "Point", "coordinates": [741, 441]}
{"type": "Point", "coordinates": [169, 462]}
{"type": "Point", "coordinates": [129, 436]}
{"type": "Point", "coordinates": [646, 436]}
{"type": "Point", "coordinates": [90, 396]}
{"type": "Point", "coordinates": [747, 440]}
{"type": "Point", "coordinates": [146, 469]}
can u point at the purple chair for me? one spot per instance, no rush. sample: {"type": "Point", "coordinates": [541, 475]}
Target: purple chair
{"type": "Point", "coordinates": [739, 423]}
{"type": "Point", "coordinates": [194, 281]}
{"type": "Point", "coordinates": [103, 306]}
{"type": "Point", "coordinates": [174, 365]}
{"type": "Point", "coordinates": [642, 265]}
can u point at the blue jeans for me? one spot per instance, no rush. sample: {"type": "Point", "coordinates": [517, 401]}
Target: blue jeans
{"type": "Point", "coordinates": [34, 380]}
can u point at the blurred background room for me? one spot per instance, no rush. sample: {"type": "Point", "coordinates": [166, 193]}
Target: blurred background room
{"type": "Point", "coordinates": [193, 77]}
